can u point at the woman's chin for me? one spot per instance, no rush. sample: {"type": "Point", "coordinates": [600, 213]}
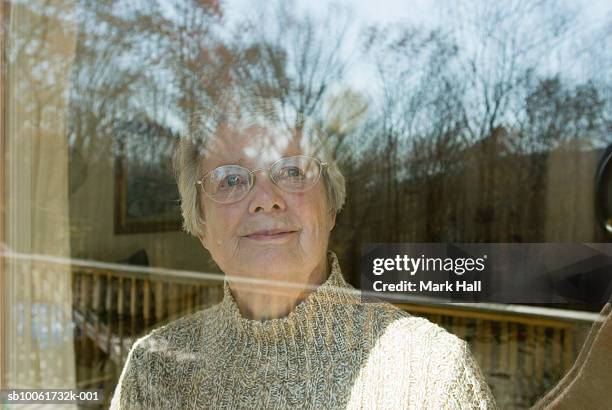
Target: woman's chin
{"type": "Point", "coordinates": [272, 261]}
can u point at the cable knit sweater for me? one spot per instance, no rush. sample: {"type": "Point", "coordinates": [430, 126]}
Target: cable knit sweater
{"type": "Point", "coordinates": [331, 351]}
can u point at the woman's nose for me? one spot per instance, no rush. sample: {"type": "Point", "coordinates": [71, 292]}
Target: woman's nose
{"type": "Point", "coordinates": [265, 195]}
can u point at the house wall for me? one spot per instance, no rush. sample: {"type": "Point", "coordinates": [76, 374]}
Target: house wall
{"type": "Point", "coordinates": [92, 226]}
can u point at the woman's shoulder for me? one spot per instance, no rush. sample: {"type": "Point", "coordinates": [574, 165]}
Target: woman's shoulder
{"type": "Point", "coordinates": [401, 326]}
{"type": "Point", "coordinates": [396, 324]}
{"type": "Point", "coordinates": [416, 361]}
{"type": "Point", "coordinates": [421, 335]}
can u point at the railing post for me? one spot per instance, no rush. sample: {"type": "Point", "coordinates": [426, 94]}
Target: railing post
{"type": "Point", "coordinates": [513, 349]}
{"type": "Point", "coordinates": [556, 353]}
{"type": "Point", "coordinates": [109, 311]}
{"type": "Point", "coordinates": [159, 302]}
{"type": "Point", "coordinates": [146, 304]}
{"type": "Point", "coordinates": [502, 362]}
{"type": "Point", "coordinates": [133, 306]}
{"type": "Point", "coordinates": [120, 316]}
{"type": "Point", "coordinates": [97, 311]}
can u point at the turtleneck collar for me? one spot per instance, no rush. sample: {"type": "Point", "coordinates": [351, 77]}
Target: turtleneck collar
{"type": "Point", "coordinates": [335, 290]}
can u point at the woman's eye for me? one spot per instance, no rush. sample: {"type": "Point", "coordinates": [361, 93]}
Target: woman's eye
{"type": "Point", "coordinates": [291, 172]}
{"type": "Point", "coordinates": [231, 181]}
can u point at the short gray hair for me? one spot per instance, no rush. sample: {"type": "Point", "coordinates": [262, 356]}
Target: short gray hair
{"type": "Point", "coordinates": [189, 152]}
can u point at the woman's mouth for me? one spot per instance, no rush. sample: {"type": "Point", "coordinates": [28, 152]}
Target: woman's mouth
{"type": "Point", "coordinates": [270, 235]}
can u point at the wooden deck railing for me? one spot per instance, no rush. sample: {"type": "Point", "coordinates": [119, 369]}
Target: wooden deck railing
{"type": "Point", "coordinates": [120, 306]}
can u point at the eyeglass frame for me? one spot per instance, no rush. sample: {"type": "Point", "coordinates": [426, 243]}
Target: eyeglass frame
{"type": "Point", "coordinates": [322, 164]}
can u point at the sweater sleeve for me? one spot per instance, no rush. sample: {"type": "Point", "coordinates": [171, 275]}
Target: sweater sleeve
{"type": "Point", "coordinates": [462, 384]}
{"type": "Point", "coordinates": [128, 393]}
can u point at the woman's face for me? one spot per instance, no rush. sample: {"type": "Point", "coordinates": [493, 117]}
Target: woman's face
{"type": "Point", "coordinates": [235, 234]}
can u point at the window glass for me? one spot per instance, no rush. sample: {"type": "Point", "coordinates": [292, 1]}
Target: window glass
{"type": "Point", "coordinates": [448, 122]}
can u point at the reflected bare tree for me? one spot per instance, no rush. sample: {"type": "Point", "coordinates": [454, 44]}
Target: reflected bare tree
{"type": "Point", "coordinates": [465, 119]}
{"type": "Point", "coordinates": [294, 59]}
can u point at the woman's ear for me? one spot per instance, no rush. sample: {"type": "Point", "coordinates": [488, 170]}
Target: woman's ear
{"type": "Point", "coordinates": [202, 239]}
{"type": "Point", "coordinates": [332, 216]}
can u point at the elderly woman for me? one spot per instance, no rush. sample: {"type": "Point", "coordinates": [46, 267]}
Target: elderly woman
{"type": "Point", "coordinates": [290, 332]}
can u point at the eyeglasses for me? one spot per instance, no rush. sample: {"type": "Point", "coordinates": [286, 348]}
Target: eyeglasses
{"type": "Point", "coordinates": [231, 183]}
